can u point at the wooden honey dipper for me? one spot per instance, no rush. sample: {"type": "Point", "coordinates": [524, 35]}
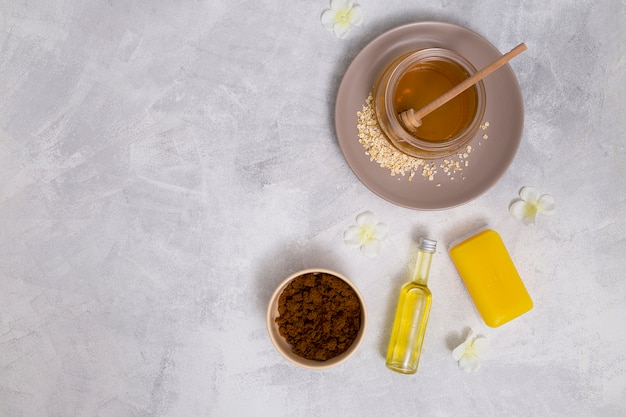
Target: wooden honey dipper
{"type": "Point", "coordinates": [412, 119]}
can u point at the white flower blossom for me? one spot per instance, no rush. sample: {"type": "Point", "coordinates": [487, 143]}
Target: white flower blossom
{"type": "Point", "coordinates": [469, 353]}
{"type": "Point", "coordinates": [367, 234]}
{"type": "Point", "coordinates": [530, 203]}
{"type": "Point", "coordinates": [341, 17]}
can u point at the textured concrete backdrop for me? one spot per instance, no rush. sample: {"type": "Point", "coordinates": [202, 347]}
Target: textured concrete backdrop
{"type": "Point", "coordinates": [165, 164]}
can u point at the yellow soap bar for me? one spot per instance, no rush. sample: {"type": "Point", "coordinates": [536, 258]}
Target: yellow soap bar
{"type": "Point", "coordinates": [490, 277]}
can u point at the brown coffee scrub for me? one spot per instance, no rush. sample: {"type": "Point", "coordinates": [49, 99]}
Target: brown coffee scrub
{"type": "Point", "coordinates": [319, 315]}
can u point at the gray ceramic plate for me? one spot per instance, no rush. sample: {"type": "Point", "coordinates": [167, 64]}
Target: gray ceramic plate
{"type": "Point", "coordinates": [489, 158]}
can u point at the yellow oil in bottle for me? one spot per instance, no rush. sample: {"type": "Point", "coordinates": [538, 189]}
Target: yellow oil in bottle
{"type": "Point", "coordinates": [409, 327]}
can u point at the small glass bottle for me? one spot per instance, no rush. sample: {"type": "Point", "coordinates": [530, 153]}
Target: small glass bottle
{"type": "Point", "coordinates": [411, 317]}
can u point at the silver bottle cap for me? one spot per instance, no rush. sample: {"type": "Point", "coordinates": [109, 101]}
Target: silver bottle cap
{"type": "Point", "coordinates": [427, 245]}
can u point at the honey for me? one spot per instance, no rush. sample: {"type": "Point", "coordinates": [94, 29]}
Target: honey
{"type": "Point", "coordinates": [428, 80]}
{"type": "Point", "coordinates": [414, 80]}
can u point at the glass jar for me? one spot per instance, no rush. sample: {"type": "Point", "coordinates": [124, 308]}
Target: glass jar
{"type": "Point", "coordinates": [415, 79]}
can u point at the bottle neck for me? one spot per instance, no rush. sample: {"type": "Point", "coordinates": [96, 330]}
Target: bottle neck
{"type": "Point", "coordinates": [422, 267]}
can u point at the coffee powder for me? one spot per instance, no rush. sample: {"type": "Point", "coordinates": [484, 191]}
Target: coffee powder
{"type": "Point", "coordinates": [319, 315]}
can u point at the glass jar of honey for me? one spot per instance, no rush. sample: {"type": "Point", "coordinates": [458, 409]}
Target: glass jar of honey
{"type": "Point", "coordinates": [415, 79]}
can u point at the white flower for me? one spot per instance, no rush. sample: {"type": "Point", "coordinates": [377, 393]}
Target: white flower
{"type": "Point", "coordinates": [367, 234]}
{"type": "Point", "coordinates": [468, 353]}
{"type": "Point", "coordinates": [530, 203]}
{"type": "Point", "coordinates": [342, 15]}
